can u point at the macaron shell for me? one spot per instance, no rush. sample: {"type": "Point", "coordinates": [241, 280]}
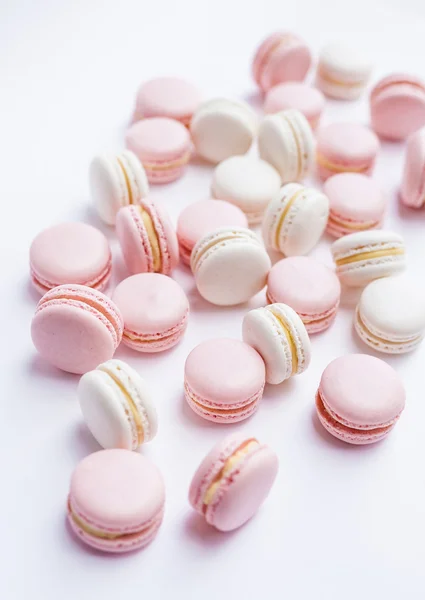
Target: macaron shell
{"type": "Point", "coordinates": [413, 183]}
{"type": "Point", "coordinates": [108, 187]}
{"type": "Point", "coordinates": [131, 240]}
{"type": "Point", "coordinates": [282, 57]}
{"type": "Point", "coordinates": [295, 95]}
{"type": "Point", "coordinates": [158, 139]}
{"type": "Point", "coordinates": [342, 72]}
{"type": "Point", "coordinates": [167, 97]}
{"type": "Point", "coordinates": [167, 237]}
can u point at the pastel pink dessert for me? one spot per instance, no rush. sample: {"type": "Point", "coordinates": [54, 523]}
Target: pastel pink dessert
{"type": "Point", "coordinates": [203, 217]}
{"type": "Point", "coordinates": [155, 310]}
{"type": "Point", "coordinates": [167, 97]}
{"type": "Point", "coordinates": [309, 287]}
{"type": "Point", "coordinates": [281, 57]}
{"type": "Point", "coordinates": [296, 95]}
{"type": "Point", "coordinates": [233, 481]}
{"type": "Point", "coordinates": [360, 398]}
{"type": "Point", "coordinates": [163, 147]}
{"type": "Point", "coordinates": [413, 183]}
{"type": "Point", "coordinates": [75, 328]}
{"type": "Point", "coordinates": [147, 238]}
{"type": "Point", "coordinates": [346, 148]}
{"type": "Point", "coordinates": [397, 106]}
{"type": "Point", "coordinates": [356, 203]}
{"type": "Point", "coordinates": [116, 500]}
{"type": "Point", "coordinates": [70, 253]}
{"type": "Point", "coordinates": [224, 380]}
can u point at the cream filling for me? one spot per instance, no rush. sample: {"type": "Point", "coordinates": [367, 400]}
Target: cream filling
{"type": "Point", "coordinates": [170, 164]}
{"type": "Point", "coordinates": [327, 164]}
{"type": "Point", "coordinates": [153, 239]}
{"type": "Point", "coordinates": [289, 338]}
{"type": "Point", "coordinates": [230, 238]}
{"type": "Point", "coordinates": [380, 340]}
{"type": "Point", "coordinates": [329, 79]}
{"type": "Point", "coordinates": [297, 143]}
{"type": "Point", "coordinates": [284, 214]}
{"type": "Point", "coordinates": [369, 255]}
{"type": "Point", "coordinates": [127, 181]}
{"type": "Point", "coordinates": [352, 225]}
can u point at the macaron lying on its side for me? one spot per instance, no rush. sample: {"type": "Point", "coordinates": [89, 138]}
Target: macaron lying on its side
{"type": "Point", "coordinates": [413, 182]}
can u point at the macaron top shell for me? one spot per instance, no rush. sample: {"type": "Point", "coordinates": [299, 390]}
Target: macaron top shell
{"type": "Point", "coordinates": [295, 95]}
{"type": "Point", "coordinates": [362, 391]}
{"type": "Point", "coordinates": [158, 139]}
{"type": "Point", "coordinates": [345, 63]}
{"type": "Point", "coordinates": [167, 97]}
{"type": "Point", "coordinates": [351, 142]}
{"type": "Point", "coordinates": [355, 195]}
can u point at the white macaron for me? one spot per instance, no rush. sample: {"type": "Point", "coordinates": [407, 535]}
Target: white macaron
{"type": "Point", "coordinates": [342, 72]}
{"type": "Point", "coordinates": [117, 406]}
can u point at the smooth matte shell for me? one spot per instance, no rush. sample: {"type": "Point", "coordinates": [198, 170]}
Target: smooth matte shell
{"type": "Point", "coordinates": [413, 182]}
{"type": "Point", "coordinates": [158, 139]}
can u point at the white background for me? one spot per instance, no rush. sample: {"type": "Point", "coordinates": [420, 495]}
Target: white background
{"type": "Point", "coordinates": [341, 522]}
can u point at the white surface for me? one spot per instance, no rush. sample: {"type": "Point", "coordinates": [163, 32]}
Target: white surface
{"type": "Point", "coordinates": [342, 522]}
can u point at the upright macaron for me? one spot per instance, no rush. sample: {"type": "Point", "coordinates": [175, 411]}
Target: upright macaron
{"type": "Point", "coordinates": [75, 328]}
{"type": "Point", "coordinates": [116, 500]}
{"type": "Point", "coordinates": [116, 181]}
{"type": "Point", "coordinates": [298, 96]}
{"type": "Point", "coordinates": [413, 182]}
{"type": "Point", "coordinates": [163, 147]}
{"type": "Point", "coordinates": [221, 128]}
{"type": "Point", "coordinates": [70, 253]}
{"type": "Point", "coordinates": [360, 399]}
{"type": "Point", "coordinates": [233, 481]}
{"type": "Point", "coordinates": [224, 380]}
{"type": "Point", "coordinates": [147, 238]}
{"type": "Point", "coordinates": [282, 56]}
{"type": "Point", "coordinates": [286, 141]}
{"type": "Point", "coordinates": [117, 406]}
{"type": "Point", "coordinates": [343, 72]}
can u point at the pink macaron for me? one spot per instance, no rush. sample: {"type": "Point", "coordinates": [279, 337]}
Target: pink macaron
{"type": "Point", "coordinates": [413, 182]}
{"type": "Point", "coordinates": [360, 398]}
{"type": "Point", "coordinates": [76, 328]}
{"type": "Point", "coordinates": [116, 500]}
{"type": "Point", "coordinates": [224, 380]}
{"type": "Point", "coordinates": [346, 147]}
{"type": "Point", "coordinates": [397, 106]}
{"type": "Point", "coordinates": [167, 97]}
{"type": "Point", "coordinates": [203, 217]}
{"type": "Point", "coordinates": [163, 147]}
{"type": "Point", "coordinates": [296, 95]}
{"type": "Point", "coordinates": [356, 203]}
{"type": "Point", "coordinates": [309, 287]}
{"type": "Point", "coordinates": [233, 481]}
{"type": "Point", "coordinates": [155, 310]}
{"type": "Point", "coordinates": [70, 253]}
{"type": "Point", "coordinates": [147, 238]}
{"type": "Point", "coordinates": [281, 57]}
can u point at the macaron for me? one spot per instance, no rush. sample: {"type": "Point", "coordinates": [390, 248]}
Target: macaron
{"type": "Point", "coordinates": [360, 399]}
{"type": "Point", "coordinates": [116, 181]}
{"type": "Point", "coordinates": [309, 287]}
{"type": "Point", "coordinates": [221, 128]}
{"type": "Point", "coordinates": [282, 56]}
{"type": "Point", "coordinates": [367, 255]}
{"type": "Point", "coordinates": [233, 481]}
{"type": "Point", "coordinates": [413, 182]}
{"type": "Point", "coordinates": [295, 219]}
{"type": "Point", "coordinates": [202, 217]}
{"type": "Point", "coordinates": [116, 500]}
{"type": "Point", "coordinates": [346, 148]}
{"type": "Point", "coordinates": [117, 406]}
{"type": "Point", "coordinates": [390, 316]}
{"type": "Point", "coordinates": [397, 106]}
{"type": "Point", "coordinates": [298, 96]}
{"type": "Point", "coordinates": [247, 182]}
{"type": "Point", "coordinates": [155, 310]}
{"type": "Point", "coordinates": [356, 203]}
{"type": "Point", "coordinates": [230, 266]}
{"type": "Point", "coordinates": [169, 97]}
{"type": "Point", "coordinates": [147, 238]}
{"type": "Point", "coordinates": [70, 253]}
{"type": "Point", "coordinates": [224, 380]}
{"type": "Point", "coordinates": [286, 141]}
{"type": "Point", "coordinates": [343, 72]}
{"type": "Point", "coordinates": [163, 147]}
{"type": "Point", "coordinates": [75, 328]}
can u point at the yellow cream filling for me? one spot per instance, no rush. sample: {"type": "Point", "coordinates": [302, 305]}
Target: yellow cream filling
{"type": "Point", "coordinates": [172, 164]}
{"type": "Point", "coordinates": [290, 340]}
{"type": "Point", "coordinates": [285, 213]}
{"type": "Point", "coordinates": [323, 162]}
{"type": "Point", "coordinates": [127, 181]}
{"type": "Point", "coordinates": [153, 239]}
{"type": "Point", "coordinates": [198, 257]}
{"type": "Point", "coordinates": [369, 255]}
{"type": "Point", "coordinates": [350, 224]}
{"type": "Point", "coordinates": [297, 143]}
{"type": "Point", "coordinates": [375, 338]}
{"type": "Point", "coordinates": [347, 84]}
{"type": "Point", "coordinates": [228, 466]}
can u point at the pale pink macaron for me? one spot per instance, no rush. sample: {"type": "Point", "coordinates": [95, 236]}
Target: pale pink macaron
{"type": "Point", "coordinates": [282, 56]}
{"type": "Point", "coordinates": [155, 310]}
{"type": "Point", "coordinates": [397, 106]}
{"type": "Point", "coordinates": [346, 148]}
{"type": "Point", "coordinates": [224, 380]}
{"type": "Point", "coordinates": [167, 97]}
{"type": "Point", "coordinates": [413, 182]}
{"type": "Point", "coordinates": [233, 481]}
{"type": "Point", "coordinates": [360, 398]}
{"type": "Point", "coordinates": [309, 287]}
{"type": "Point", "coordinates": [162, 145]}
{"type": "Point", "coordinates": [116, 500]}
{"type": "Point", "coordinates": [356, 203]}
{"type": "Point", "coordinates": [147, 238]}
{"type": "Point", "coordinates": [203, 217]}
{"type": "Point", "coordinates": [297, 95]}
{"type": "Point", "coordinates": [70, 253]}
{"type": "Point", "coordinates": [76, 328]}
